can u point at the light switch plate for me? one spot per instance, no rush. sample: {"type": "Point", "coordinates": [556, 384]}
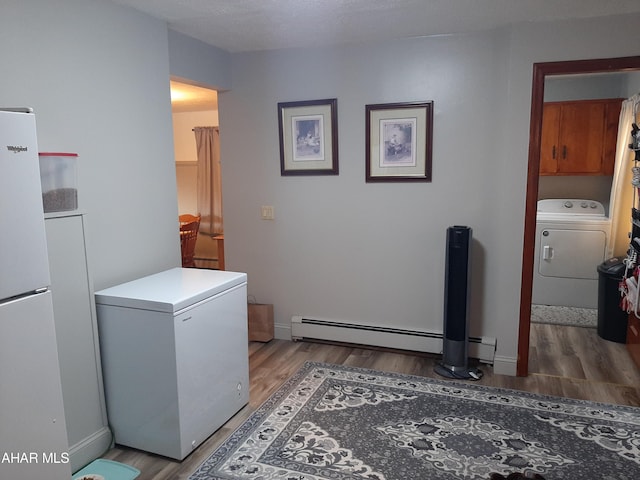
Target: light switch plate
{"type": "Point", "coordinates": [266, 212]}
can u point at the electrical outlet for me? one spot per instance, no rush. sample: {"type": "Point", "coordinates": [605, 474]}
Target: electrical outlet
{"type": "Point", "coordinates": [267, 212]}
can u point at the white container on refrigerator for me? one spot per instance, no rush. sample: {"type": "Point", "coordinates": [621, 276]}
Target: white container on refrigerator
{"type": "Point", "coordinates": [33, 436]}
{"type": "Point", "coordinates": [174, 351]}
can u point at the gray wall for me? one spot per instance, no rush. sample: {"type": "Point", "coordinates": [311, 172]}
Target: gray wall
{"type": "Point", "coordinates": [585, 87]}
{"type": "Point", "coordinates": [343, 249]}
{"type": "Point", "coordinates": [371, 253]}
{"type": "Point", "coordinates": [633, 84]}
{"type": "Point", "coordinates": [199, 63]}
{"type": "Point", "coordinates": [97, 76]}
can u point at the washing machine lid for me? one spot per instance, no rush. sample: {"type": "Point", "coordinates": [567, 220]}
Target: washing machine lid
{"type": "Point", "coordinates": [571, 207]}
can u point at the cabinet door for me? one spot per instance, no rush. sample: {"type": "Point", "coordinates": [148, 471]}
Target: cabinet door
{"type": "Point", "coordinates": [549, 140]}
{"type": "Point", "coordinates": [76, 334]}
{"type": "Point", "coordinates": [581, 137]}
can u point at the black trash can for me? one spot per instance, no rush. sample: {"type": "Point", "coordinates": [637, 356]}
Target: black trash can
{"type": "Point", "coordinates": [612, 320]}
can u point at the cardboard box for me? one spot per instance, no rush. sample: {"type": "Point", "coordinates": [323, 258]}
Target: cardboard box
{"type": "Point", "coordinates": [260, 322]}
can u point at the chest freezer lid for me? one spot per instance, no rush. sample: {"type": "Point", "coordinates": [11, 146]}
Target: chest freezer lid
{"type": "Point", "coordinates": [171, 290]}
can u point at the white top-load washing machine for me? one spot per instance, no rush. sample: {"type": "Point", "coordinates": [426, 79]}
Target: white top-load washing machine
{"type": "Point", "coordinates": [571, 241]}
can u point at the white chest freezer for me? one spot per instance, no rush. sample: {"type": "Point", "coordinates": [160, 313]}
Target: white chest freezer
{"type": "Point", "coordinates": [175, 361]}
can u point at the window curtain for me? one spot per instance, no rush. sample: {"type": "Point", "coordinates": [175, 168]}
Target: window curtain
{"type": "Point", "coordinates": [209, 186]}
{"type": "Point", "coordinates": [621, 200]}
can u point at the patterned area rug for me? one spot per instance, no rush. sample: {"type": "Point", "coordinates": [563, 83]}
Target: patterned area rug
{"type": "Point", "coordinates": [570, 316]}
{"type": "Point", "coordinates": [339, 423]}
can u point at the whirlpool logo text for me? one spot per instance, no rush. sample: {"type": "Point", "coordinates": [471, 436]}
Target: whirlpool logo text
{"type": "Point", "coordinates": [16, 148]}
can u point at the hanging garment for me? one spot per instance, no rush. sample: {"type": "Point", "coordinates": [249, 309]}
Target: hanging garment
{"type": "Point", "coordinates": [622, 191]}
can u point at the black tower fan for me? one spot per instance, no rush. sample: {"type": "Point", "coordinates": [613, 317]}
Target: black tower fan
{"type": "Point", "coordinates": [455, 343]}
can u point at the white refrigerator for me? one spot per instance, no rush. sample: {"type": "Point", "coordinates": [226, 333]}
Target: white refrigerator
{"type": "Point", "coordinates": [33, 436]}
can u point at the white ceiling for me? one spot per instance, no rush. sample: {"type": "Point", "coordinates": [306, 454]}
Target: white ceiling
{"type": "Point", "coordinates": [249, 25]}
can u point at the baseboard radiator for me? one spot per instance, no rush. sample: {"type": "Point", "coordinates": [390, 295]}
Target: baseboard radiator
{"type": "Point", "coordinates": [305, 328]}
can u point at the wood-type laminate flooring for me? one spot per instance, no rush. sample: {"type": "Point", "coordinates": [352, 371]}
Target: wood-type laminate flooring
{"type": "Point", "coordinates": [564, 361]}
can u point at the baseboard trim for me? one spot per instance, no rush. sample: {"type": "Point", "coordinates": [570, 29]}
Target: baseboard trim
{"type": "Point", "coordinates": [505, 365]}
{"type": "Point", "coordinates": [282, 331]}
{"type": "Point", "coordinates": [88, 449]}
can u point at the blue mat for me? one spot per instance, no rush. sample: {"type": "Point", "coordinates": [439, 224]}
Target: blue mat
{"type": "Point", "coordinates": [109, 469]}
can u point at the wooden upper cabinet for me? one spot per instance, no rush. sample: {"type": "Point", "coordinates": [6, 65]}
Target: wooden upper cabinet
{"type": "Point", "coordinates": [549, 140]}
{"type": "Point", "coordinates": [579, 137]}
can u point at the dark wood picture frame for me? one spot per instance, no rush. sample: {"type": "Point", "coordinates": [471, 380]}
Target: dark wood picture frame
{"type": "Point", "coordinates": [399, 139]}
{"type": "Point", "coordinates": [308, 137]}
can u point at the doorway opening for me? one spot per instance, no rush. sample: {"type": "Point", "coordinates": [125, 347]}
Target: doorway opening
{"type": "Point", "coordinates": [540, 72]}
{"type": "Point", "coordinates": [193, 107]}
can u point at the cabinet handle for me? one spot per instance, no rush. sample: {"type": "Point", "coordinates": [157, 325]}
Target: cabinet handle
{"type": "Point", "coordinates": [553, 152]}
{"type": "Point", "coordinates": [633, 329]}
{"type": "Point", "coordinates": [564, 152]}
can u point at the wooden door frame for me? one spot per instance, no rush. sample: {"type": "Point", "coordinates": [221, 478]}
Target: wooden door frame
{"type": "Point", "coordinates": [540, 72]}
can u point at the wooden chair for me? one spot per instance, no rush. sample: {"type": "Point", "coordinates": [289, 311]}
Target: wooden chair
{"type": "Point", "coordinates": [187, 217]}
{"type": "Point", "coordinates": [189, 226]}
